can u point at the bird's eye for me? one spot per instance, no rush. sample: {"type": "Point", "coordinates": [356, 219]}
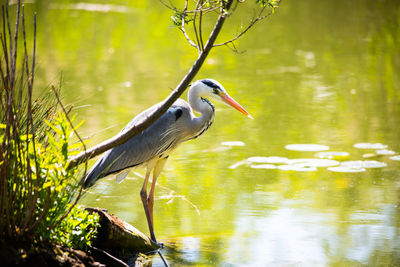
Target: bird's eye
{"type": "Point", "coordinates": [216, 91]}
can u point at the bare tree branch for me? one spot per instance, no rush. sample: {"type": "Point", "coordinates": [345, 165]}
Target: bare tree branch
{"type": "Point", "coordinates": [204, 10]}
{"type": "Point", "coordinates": [253, 21]}
{"type": "Point", "coordinates": [187, 36]}
{"type": "Point", "coordinates": [163, 106]}
{"type": "Point", "coordinates": [201, 9]}
{"type": "Point", "coordinates": [182, 28]}
{"type": "Point", "coordinates": [168, 6]}
{"type": "Point", "coordinates": [200, 28]}
{"type": "Point", "coordinates": [195, 28]}
{"type": "Point", "coordinates": [234, 49]}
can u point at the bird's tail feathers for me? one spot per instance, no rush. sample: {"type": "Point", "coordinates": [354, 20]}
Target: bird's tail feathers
{"type": "Point", "coordinates": [99, 170]}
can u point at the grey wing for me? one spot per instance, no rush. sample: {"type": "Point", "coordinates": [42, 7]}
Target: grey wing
{"type": "Point", "coordinates": [164, 134]}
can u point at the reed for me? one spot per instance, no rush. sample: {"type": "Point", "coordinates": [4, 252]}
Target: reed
{"type": "Point", "coordinates": [38, 193]}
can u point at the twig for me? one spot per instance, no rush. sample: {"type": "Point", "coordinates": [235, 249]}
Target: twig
{"type": "Point", "coordinates": [34, 49]}
{"type": "Point", "coordinates": [251, 24]}
{"type": "Point", "coordinates": [167, 6]}
{"type": "Point", "coordinates": [3, 180]}
{"type": "Point", "coordinates": [5, 154]}
{"type": "Point", "coordinates": [109, 255]}
{"type": "Point", "coordinates": [195, 29]}
{"type": "Point", "coordinates": [42, 214]}
{"type": "Point", "coordinates": [5, 53]}
{"type": "Point", "coordinates": [30, 79]}
{"type": "Point", "coordinates": [234, 49]}
{"type": "Point", "coordinates": [14, 61]}
{"type": "Point", "coordinates": [172, 194]}
{"type": "Point", "coordinates": [102, 130]}
{"type": "Point", "coordinates": [31, 197]}
{"type": "Point", "coordinates": [182, 28]}
{"type": "Point", "coordinates": [9, 35]}
{"type": "Point", "coordinates": [204, 10]}
{"type": "Point", "coordinates": [163, 259]}
{"type": "Point", "coordinates": [233, 9]}
{"type": "Point", "coordinates": [84, 148]}
{"type": "Point", "coordinates": [200, 28]}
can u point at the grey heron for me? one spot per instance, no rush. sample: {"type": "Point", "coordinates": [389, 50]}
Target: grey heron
{"type": "Point", "coordinates": [151, 148]}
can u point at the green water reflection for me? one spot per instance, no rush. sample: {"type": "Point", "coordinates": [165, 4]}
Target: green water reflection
{"type": "Point", "coordinates": [319, 72]}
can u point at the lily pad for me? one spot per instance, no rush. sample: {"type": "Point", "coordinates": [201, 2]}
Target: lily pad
{"type": "Point", "coordinates": [370, 146]}
{"type": "Point", "coordinates": [298, 168]}
{"type": "Point", "coordinates": [314, 162]}
{"type": "Point", "coordinates": [332, 155]}
{"type": "Point", "coordinates": [307, 147]}
{"type": "Point", "coordinates": [385, 152]}
{"type": "Point", "coordinates": [346, 169]}
{"type": "Point", "coordinates": [363, 164]}
{"type": "Point", "coordinates": [397, 157]}
{"type": "Point", "coordinates": [263, 166]}
{"type": "Point", "coordinates": [233, 143]}
{"type": "Point", "coordinates": [269, 160]}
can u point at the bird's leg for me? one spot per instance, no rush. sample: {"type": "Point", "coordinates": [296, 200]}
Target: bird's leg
{"type": "Point", "coordinates": [156, 172]}
{"type": "Point", "coordinates": [143, 196]}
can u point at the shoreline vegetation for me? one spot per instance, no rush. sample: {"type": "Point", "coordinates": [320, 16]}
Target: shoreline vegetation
{"type": "Point", "coordinates": [39, 219]}
{"type": "Point", "coordinates": [41, 223]}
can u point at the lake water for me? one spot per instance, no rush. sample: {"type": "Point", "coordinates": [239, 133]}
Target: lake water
{"type": "Point", "coordinates": [316, 72]}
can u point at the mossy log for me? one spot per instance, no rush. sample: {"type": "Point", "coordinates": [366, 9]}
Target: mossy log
{"type": "Point", "coordinates": [120, 238]}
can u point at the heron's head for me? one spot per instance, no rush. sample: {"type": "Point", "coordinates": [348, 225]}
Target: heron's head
{"type": "Point", "coordinates": [210, 88]}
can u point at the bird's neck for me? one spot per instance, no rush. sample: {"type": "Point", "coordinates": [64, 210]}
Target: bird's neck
{"type": "Point", "coordinates": [200, 104]}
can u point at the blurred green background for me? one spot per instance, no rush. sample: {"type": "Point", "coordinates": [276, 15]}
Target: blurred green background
{"type": "Point", "coordinates": [316, 72]}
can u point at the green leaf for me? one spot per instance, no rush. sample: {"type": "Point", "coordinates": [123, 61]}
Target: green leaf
{"type": "Point", "coordinates": [47, 184]}
{"type": "Point", "coordinates": [79, 124]}
{"type": "Point", "coordinates": [53, 127]}
{"type": "Point", "coordinates": [25, 137]}
{"type": "Point", "coordinates": [64, 150]}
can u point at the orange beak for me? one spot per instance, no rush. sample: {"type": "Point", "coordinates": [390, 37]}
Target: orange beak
{"type": "Point", "coordinates": [231, 102]}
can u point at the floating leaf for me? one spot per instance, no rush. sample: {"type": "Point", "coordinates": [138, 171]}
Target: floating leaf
{"type": "Point", "coordinates": [363, 164]}
{"type": "Point", "coordinates": [263, 166]}
{"type": "Point", "coordinates": [332, 155]}
{"type": "Point", "coordinates": [346, 169]}
{"type": "Point", "coordinates": [369, 155]}
{"type": "Point", "coordinates": [299, 168]}
{"type": "Point", "coordinates": [307, 147]}
{"type": "Point", "coordinates": [370, 146]}
{"type": "Point", "coordinates": [270, 160]}
{"type": "Point", "coordinates": [232, 143]}
{"type": "Point", "coordinates": [385, 152]}
{"type": "Point", "coordinates": [314, 162]}
{"type": "Point", "coordinates": [397, 157]}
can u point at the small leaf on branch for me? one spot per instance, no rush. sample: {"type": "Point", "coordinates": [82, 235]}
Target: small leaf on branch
{"type": "Point", "coordinates": [180, 16]}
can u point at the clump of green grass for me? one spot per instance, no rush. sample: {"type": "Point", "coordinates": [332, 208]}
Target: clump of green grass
{"type": "Point", "coordinates": [38, 192]}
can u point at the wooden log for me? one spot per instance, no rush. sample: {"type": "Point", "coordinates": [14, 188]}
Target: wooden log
{"type": "Point", "coordinates": [119, 238]}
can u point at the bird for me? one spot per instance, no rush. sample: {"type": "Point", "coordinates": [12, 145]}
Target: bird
{"type": "Point", "coordinates": [151, 148]}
